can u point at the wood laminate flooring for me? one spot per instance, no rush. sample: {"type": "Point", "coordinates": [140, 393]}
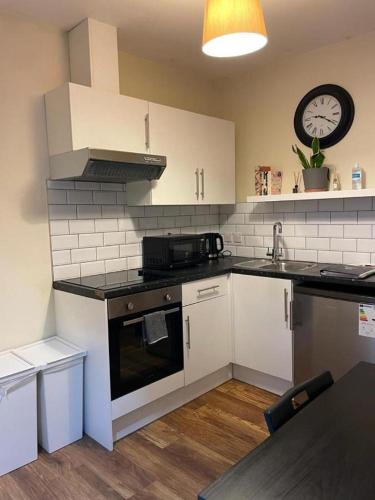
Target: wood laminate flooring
{"type": "Point", "coordinates": [172, 458]}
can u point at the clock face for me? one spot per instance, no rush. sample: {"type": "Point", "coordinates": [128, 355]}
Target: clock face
{"type": "Point", "coordinates": [326, 112]}
{"type": "Point", "coordinates": [322, 116]}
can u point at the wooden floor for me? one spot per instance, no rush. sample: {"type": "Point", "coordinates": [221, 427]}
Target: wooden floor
{"type": "Point", "coordinates": [171, 459]}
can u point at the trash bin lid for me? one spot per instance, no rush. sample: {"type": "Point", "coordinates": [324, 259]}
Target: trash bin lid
{"type": "Point", "coordinates": [11, 365]}
{"type": "Point", "coordinates": [50, 351]}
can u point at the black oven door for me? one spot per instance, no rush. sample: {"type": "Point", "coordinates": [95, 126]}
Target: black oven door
{"type": "Point", "coordinates": [134, 363]}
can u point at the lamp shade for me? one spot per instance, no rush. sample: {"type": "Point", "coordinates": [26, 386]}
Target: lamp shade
{"type": "Point", "coordinates": [233, 28]}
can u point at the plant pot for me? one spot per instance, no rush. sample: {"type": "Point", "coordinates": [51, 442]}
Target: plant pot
{"type": "Point", "coordinates": [316, 179]}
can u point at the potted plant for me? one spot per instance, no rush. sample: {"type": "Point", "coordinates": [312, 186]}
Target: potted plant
{"type": "Point", "coordinates": [315, 176]}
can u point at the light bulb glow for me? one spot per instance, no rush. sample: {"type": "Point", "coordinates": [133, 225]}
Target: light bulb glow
{"type": "Point", "coordinates": [234, 44]}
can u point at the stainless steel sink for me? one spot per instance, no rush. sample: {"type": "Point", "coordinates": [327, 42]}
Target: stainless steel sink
{"type": "Point", "coordinates": [288, 266]}
{"type": "Point", "coordinates": [280, 266]}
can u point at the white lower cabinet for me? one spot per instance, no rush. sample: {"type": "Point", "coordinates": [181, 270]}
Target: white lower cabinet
{"type": "Point", "coordinates": [261, 316]}
{"type": "Point", "coordinates": [207, 328]}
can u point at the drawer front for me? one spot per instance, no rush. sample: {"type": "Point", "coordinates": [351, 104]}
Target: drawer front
{"type": "Point", "coordinates": [209, 288]}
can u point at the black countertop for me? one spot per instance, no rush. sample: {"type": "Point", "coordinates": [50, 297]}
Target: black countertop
{"type": "Point", "coordinates": [106, 286]}
{"type": "Point", "coordinates": [323, 452]}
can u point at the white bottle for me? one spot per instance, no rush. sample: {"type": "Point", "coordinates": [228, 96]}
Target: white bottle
{"type": "Point", "coordinates": [357, 177]}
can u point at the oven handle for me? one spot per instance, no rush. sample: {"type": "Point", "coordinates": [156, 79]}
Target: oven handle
{"type": "Point", "coordinates": [141, 318]}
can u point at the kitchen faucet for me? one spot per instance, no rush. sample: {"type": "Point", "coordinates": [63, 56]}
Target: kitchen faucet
{"type": "Point", "coordinates": [276, 252]}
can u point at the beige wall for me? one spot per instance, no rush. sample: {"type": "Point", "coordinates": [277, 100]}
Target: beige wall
{"type": "Point", "coordinates": [167, 85]}
{"type": "Point", "coordinates": [263, 103]}
{"type": "Point", "coordinates": [33, 59]}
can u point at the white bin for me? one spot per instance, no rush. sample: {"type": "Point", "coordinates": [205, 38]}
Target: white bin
{"type": "Point", "coordinates": [18, 418]}
{"type": "Point", "coordinates": [60, 390]}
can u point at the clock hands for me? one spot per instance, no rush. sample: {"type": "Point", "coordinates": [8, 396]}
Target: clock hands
{"type": "Point", "coordinates": [325, 118]}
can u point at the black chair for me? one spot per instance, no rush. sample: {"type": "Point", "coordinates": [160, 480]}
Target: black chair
{"type": "Point", "coordinates": [284, 409]}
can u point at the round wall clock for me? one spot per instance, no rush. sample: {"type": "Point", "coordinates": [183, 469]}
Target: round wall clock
{"type": "Point", "coordinates": [326, 112]}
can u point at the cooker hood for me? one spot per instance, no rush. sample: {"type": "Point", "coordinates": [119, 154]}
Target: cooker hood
{"type": "Point", "coordinates": [102, 165]}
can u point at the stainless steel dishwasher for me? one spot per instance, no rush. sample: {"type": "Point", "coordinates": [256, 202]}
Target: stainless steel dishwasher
{"type": "Point", "coordinates": [327, 321]}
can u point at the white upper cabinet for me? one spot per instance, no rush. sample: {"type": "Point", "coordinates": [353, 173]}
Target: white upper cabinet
{"type": "Point", "coordinates": [200, 157]}
{"type": "Point", "coordinates": [173, 133]}
{"type": "Point", "coordinates": [80, 117]}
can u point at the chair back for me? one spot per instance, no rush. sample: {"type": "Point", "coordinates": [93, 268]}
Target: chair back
{"type": "Point", "coordinates": [284, 409]}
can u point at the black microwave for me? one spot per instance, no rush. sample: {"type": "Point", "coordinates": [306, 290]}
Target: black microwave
{"type": "Point", "coordinates": [173, 251]}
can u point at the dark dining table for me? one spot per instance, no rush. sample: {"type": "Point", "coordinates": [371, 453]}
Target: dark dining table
{"type": "Point", "coordinates": [326, 451]}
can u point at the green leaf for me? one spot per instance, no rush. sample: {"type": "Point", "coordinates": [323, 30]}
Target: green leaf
{"type": "Point", "coordinates": [315, 146]}
{"type": "Point", "coordinates": [317, 159]}
{"type": "Point", "coordinates": [302, 158]}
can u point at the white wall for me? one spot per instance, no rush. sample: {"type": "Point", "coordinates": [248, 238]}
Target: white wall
{"type": "Point", "coordinates": [263, 103]}
{"type": "Point", "coordinates": [33, 59]}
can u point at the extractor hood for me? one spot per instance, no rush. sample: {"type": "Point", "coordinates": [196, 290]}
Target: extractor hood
{"type": "Point", "coordinates": [101, 165]}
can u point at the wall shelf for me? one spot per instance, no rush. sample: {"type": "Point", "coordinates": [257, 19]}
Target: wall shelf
{"type": "Point", "coordinates": [323, 195]}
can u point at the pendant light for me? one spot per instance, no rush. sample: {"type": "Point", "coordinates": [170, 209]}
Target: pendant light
{"type": "Point", "coordinates": [233, 28]}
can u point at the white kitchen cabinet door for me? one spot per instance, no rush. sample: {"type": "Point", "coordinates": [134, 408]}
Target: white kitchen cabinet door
{"type": "Point", "coordinates": [216, 161]}
{"type": "Point", "coordinates": [173, 133]}
{"type": "Point", "coordinates": [207, 337]}
{"type": "Point", "coordinates": [80, 117]}
{"type": "Point", "coordinates": [261, 316]}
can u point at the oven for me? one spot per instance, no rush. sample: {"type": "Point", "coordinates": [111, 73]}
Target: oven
{"type": "Point", "coordinates": [134, 362]}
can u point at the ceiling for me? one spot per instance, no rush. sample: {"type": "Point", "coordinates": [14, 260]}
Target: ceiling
{"type": "Point", "coordinates": [171, 30]}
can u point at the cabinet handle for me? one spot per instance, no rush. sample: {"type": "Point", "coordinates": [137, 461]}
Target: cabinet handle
{"type": "Point", "coordinates": [147, 132]}
{"type": "Point", "coordinates": [286, 308]}
{"type": "Point", "coordinates": [197, 183]}
{"type": "Point", "coordinates": [202, 177]}
{"type": "Point", "coordinates": [213, 288]}
{"type": "Point", "coordinates": [187, 320]}
{"type": "Point", "coordinates": [291, 315]}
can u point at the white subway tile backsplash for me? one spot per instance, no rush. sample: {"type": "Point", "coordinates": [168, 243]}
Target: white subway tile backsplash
{"type": "Point", "coordinates": [318, 218]}
{"type": "Point", "coordinates": [366, 245]}
{"type": "Point", "coordinates": [130, 250]}
{"type": "Point", "coordinates": [331, 205]}
{"type": "Point", "coordinates": [92, 268]}
{"type": "Point", "coordinates": [60, 257]}
{"type": "Point", "coordinates": [105, 197]}
{"type": "Point", "coordinates": [331, 231]}
{"type": "Point", "coordinates": [83, 254]}
{"type": "Point", "coordinates": [295, 218]}
{"type": "Point", "coordinates": [306, 255]}
{"type": "Point", "coordinates": [356, 258]}
{"type": "Point", "coordinates": [329, 257]}
{"type": "Point", "coordinates": [317, 243]}
{"type": "Point", "coordinates": [366, 217]}
{"type": "Point", "coordinates": [306, 230]}
{"type": "Point", "coordinates": [343, 245]}
{"type": "Point", "coordinates": [112, 211]}
{"type": "Point", "coordinates": [81, 226]}
{"type": "Point", "coordinates": [110, 252]}
{"type": "Point", "coordinates": [93, 230]}
{"type": "Point", "coordinates": [116, 238]}
{"type": "Point", "coordinates": [306, 206]}
{"type": "Point", "coordinates": [112, 266]}
{"type": "Point", "coordinates": [357, 204]}
{"type": "Point", "coordinates": [65, 272]}
{"type": "Point", "coordinates": [64, 242]}
{"type": "Point", "coordinates": [57, 212]}
{"type": "Point", "coordinates": [60, 184]}
{"type": "Point", "coordinates": [56, 196]}
{"type": "Point", "coordinates": [79, 197]}
{"type": "Point", "coordinates": [89, 211]}
{"type": "Point", "coordinates": [58, 227]}
{"type": "Point", "coordinates": [343, 217]}
{"type": "Point", "coordinates": [90, 240]}
{"type": "Point", "coordinates": [112, 186]}
{"type": "Point", "coordinates": [134, 262]}
{"type": "Point", "coordinates": [357, 231]}
{"type": "Point", "coordinates": [284, 206]}
{"type": "Point", "coordinates": [106, 225]}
